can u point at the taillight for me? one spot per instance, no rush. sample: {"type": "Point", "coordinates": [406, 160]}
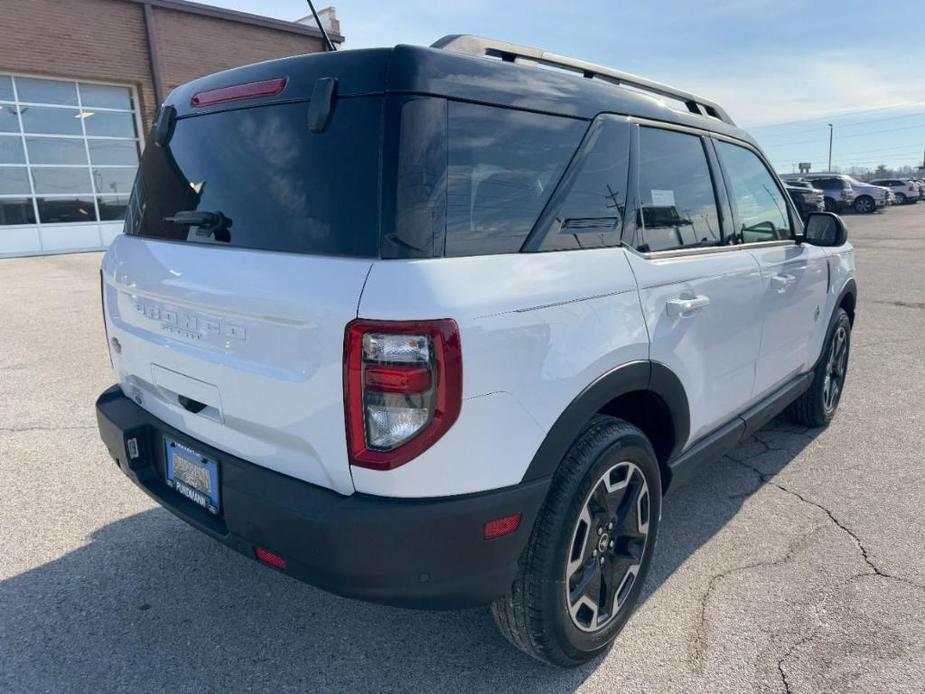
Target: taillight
{"type": "Point", "coordinates": [251, 90]}
{"type": "Point", "coordinates": [402, 388]}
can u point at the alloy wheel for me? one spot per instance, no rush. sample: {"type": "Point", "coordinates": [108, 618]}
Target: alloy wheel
{"type": "Point", "coordinates": [836, 366]}
{"type": "Point", "coordinates": [607, 547]}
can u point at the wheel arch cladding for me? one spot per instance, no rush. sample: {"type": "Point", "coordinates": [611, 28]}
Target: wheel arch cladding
{"type": "Point", "coordinates": [646, 394]}
{"type": "Point", "coordinates": [848, 299]}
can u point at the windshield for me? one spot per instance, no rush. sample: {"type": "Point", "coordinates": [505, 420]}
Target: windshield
{"type": "Point", "coordinates": [259, 178]}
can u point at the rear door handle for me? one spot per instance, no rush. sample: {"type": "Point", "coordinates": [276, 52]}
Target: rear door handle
{"type": "Point", "coordinates": [780, 283]}
{"type": "Point", "coordinates": [686, 305]}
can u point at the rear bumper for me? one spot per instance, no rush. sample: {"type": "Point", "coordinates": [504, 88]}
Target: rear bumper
{"type": "Point", "coordinates": [426, 553]}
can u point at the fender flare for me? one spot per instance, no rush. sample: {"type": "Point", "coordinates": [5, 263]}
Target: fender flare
{"type": "Point", "coordinates": [849, 289]}
{"type": "Point", "coordinates": [631, 377]}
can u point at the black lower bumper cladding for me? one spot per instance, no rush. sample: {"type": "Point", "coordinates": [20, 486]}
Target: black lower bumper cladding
{"type": "Point", "coordinates": [427, 553]}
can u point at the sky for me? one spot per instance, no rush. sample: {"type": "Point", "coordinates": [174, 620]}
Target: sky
{"type": "Point", "coordinates": [783, 69]}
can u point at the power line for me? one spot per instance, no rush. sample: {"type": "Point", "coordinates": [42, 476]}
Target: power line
{"type": "Point", "coordinates": [845, 137]}
{"type": "Point", "coordinates": [844, 125]}
{"type": "Point", "coordinates": [910, 147]}
{"type": "Point", "coordinates": [831, 117]}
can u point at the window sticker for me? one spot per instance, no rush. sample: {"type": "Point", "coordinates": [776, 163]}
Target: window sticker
{"type": "Point", "coordinates": [662, 198]}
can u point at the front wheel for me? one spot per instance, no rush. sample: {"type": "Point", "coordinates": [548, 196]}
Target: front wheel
{"type": "Point", "coordinates": [584, 567]}
{"type": "Point", "coordinates": [864, 204]}
{"type": "Point", "coordinates": [816, 407]}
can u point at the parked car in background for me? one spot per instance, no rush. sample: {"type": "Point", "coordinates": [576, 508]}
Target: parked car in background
{"type": "Point", "coordinates": [805, 197]}
{"type": "Point", "coordinates": [842, 191]}
{"type": "Point", "coordinates": [838, 193]}
{"type": "Point", "coordinates": [906, 190]}
{"type": "Point", "coordinates": [869, 198]}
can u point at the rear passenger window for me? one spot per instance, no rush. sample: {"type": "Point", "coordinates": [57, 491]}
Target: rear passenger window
{"type": "Point", "coordinates": [760, 206]}
{"type": "Point", "coordinates": [503, 165]}
{"type": "Point", "coordinates": [588, 207]}
{"type": "Point", "coordinates": [678, 202]}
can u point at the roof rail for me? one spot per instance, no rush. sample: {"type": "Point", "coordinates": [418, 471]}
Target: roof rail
{"type": "Point", "coordinates": [510, 53]}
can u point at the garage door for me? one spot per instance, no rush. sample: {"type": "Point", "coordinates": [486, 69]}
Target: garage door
{"type": "Point", "coordinates": [68, 155]}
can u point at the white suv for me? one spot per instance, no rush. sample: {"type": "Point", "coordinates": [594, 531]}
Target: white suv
{"type": "Point", "coordinates": [906, 190]}
{"type": "Point", "coordinates": [428, 329]}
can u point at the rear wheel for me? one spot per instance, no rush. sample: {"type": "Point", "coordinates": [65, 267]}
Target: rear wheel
{"type": "Point", "coordinates": [816, 407]}
{"type": "Point", "coordinates": [583, 570]}
{"type": "Point", "coordinates": [901, 199]}
{"type": "Point", "coordinates": [864, 204]}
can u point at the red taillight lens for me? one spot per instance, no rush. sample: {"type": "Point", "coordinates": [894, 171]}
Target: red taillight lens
{"type": "Point", "coordinates": [402, 388]}
{"type": "Point", "coordinates": [398, 379]}
{"type": "Point", "coordinates": [251, 90]}
{"type": "Point", "coordinates": [270, 559]}
{"type": "Point", "coordinates": [499, 527]}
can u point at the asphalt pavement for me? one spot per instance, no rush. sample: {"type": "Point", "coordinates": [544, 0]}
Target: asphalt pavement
{"type": "Point", "coordinates": [795, 564]}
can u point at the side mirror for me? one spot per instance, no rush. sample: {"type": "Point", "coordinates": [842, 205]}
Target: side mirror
{"type": "Point", "coordinates": [824, 229]}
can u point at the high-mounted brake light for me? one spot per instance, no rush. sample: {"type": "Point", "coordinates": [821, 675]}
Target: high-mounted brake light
{"type": "Point", "coordinates": [402, 388]}
{"type": "Point", "coordinates": [251, 90]}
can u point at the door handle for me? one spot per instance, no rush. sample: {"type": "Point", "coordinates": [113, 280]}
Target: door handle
{"type": "Point", "coordinates": [686, 305]}
{"type": "Point", "coordinates": [780, 282]}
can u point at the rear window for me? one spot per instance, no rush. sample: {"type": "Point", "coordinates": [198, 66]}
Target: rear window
{"type": "Point", "coordinates": [503, 166]}
{"type": "Point", "coordinates": [446, 178]}
{"type": "Point", "coordinates": [275, 184]}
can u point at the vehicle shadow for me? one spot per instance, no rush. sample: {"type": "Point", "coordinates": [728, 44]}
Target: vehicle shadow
{"type": "Point", "coordinates": [151, 604]}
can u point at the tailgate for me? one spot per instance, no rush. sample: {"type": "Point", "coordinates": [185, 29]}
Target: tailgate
{"type": "Point", "coordinates": [239, 348]}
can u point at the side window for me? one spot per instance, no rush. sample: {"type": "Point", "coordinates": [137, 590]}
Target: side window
{"type": "Point", "coordinates": [503, 165]}
{"type": "Point", "coordinates": [677, 199]}
{"type": "Point", "coordinates": [587, 209]}
{"type": "Point", "coordinates": [762, 210]}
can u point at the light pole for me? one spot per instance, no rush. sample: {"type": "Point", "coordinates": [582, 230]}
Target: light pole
{"type": "Point", "coordinates": [830, 148]}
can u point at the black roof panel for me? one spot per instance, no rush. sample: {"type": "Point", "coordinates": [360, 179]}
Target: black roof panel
{"type": "Point", "coordinates": [419, 70]}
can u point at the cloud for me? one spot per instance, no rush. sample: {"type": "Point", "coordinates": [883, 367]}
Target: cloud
{"type": "Point", "coordinates": [785, 88]}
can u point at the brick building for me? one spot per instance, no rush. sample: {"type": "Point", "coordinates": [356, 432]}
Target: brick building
{"type": "Point", "coordinates": [80, 82]}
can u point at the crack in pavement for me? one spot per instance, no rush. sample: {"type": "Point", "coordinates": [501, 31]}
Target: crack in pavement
{"type": "Point", "coordinates": [17, 430]}
{"type": "Point", "coordinates": [841, 526]}
{"type": "Point", "coordinates": [698, 646]}
{"type": "Point", "coordinates": [875, 570]}
{"type": "Point", "coordinates": [901, 304]}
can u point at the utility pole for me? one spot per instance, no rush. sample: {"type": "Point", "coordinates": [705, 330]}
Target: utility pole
{"type": "Point", "coordinates": [830, 147]}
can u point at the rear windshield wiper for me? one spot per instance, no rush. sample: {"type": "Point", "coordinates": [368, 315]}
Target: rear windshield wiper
{"type": "Point", "coordinates": [209, 223]}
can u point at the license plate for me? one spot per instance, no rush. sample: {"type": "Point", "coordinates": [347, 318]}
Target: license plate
{"type": "Point", "coordinates": [193, 475]}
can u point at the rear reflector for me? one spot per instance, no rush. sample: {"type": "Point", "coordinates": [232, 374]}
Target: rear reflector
{"type": "Point", "coordinates": [499, 527]}
{"type": "Point", "coordinates": [270, 559]}
{"type": "Point", "coordinates": [251, 90]}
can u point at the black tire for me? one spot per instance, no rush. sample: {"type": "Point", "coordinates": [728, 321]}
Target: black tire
{"type": "Point", "coordinates": [817, 406]}
{"type": "Point", "coordinates": [830, 205]}
{"type": "Point", "coordinates": [537, 615]}
{"type": "Point", "coordinates": [864, 204]}
{"type": "Point", "coordinates": [901, 199]}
